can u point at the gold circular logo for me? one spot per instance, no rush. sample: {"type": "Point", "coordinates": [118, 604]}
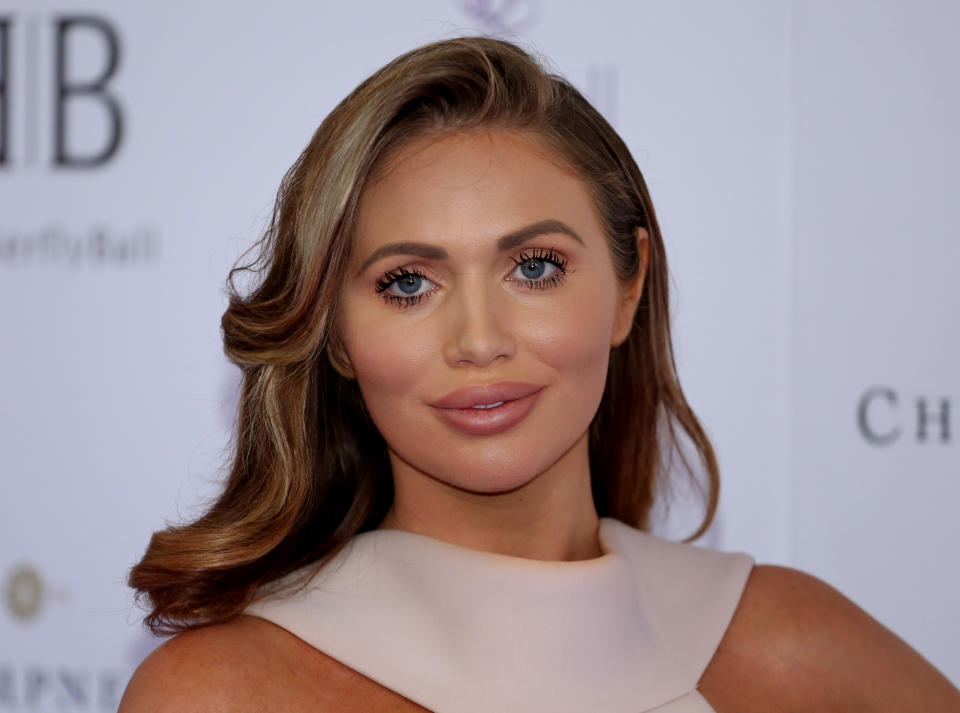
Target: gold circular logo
{"type": "Point", "coordinates": [24, 592]}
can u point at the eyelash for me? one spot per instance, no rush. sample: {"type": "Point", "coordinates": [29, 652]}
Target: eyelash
{"type": "Point", "coordinates": [386, 281]}
{"type": "Point", "coordinates": [549, 255]}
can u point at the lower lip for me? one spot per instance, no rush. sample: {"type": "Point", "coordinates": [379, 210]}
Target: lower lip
{"type": "Point", "coordinates": [489, 421]}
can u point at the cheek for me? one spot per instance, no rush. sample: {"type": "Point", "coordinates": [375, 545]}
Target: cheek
{"type": "Point", "coordinates": [574, 339]}
{"type": "Point", "coordinates": [389, 365]}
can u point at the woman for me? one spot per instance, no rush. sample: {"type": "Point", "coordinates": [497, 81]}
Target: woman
{"type": "Point", "coordinates": [459, 395]}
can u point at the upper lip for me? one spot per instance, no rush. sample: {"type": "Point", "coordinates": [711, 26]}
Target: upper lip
{"type": "Point", "coordinates": [470, 396]}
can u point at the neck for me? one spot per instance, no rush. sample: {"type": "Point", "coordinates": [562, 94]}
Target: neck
{"type": "Point", "coordinates": [551, 517]}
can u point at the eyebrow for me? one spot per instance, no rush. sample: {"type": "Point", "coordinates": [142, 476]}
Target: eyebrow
{"type": "Point", "coordinates": [509, 241]}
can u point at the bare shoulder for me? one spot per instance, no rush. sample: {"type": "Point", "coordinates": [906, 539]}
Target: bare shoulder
{"type": "Point", "coordinates": [796, 644]}
{"type": "Point", "coordinates": [222, 667]}
{"type": "Point", "coordinates": [249, 664]}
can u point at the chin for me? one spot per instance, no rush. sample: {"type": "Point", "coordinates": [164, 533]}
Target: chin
{"type": "Point", "coordinates": [490, 484]}
{"type": "Point", "coordinates": [490, 474]}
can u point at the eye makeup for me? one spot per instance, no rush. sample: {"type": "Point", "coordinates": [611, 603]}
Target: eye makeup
{"type": "Point", "coordinates": [400, 287]}
{"type": "Point", "coordinates": [536, 269]}
{"type": "Point", "coordinates": [540, 268]}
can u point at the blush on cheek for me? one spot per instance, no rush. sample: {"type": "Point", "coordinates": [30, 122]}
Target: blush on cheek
{"type": "Point", "coordinates": [389, 368]}
{"type": "Point", "coordinates": [578, 351]}
{"type": "Point", "coordinates": [577, 339]}
{"type": "Point", "coordinates": [387, 361]}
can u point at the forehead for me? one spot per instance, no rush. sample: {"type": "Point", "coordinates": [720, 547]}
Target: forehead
{"type": "Point", "coordinates": [471, 186]}
{"type": "Point", "coordinates": [491, 142]}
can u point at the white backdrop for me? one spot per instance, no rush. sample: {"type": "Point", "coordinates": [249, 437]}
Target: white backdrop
{"type": "Point", "coordinates": [802, 157]}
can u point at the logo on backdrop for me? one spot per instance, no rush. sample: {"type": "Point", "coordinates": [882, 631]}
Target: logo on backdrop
{"type": "Point", "coordinates": [93, 245]}
{"type": "Point", "coordinates": [514, 17]}
{"type": "Point", "coordinates": [56, 78]}
{"type": "Point", "coordinates": [502, 16]}
{"type": "Point", "coordinates": [24, 592]}
{"type": "Point", "coordinates": [886, 416]}
{"type": "Point", "coordinates": [60, 110]}
{"type": "Point", "coordinates": [39, 688]}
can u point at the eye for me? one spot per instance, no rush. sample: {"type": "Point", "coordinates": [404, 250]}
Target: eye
{"type": "Point", "coordinates": [534, 269]}
{"type": "Point", "coordinates": [408, 284]}
{"type": "Point", "coordinates": [538, 268]}
{"type": "Point", "coordinates": [404, 287]}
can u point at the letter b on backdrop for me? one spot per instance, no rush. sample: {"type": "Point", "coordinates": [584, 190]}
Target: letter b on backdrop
{"type": "Point", "coordinates": [66, 105]}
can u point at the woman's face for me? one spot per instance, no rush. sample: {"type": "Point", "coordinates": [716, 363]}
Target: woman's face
{"type": "Point", "coordinates": [479, 309]}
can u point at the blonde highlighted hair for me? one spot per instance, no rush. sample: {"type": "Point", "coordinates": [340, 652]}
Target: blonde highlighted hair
{"type": "Point", "coordinates": [309, 469]}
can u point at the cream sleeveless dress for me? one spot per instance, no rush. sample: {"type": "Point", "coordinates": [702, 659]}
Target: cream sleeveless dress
{"type": "Point", "coordinates": [461, 631]}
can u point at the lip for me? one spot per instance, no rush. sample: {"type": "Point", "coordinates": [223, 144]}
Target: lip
{"type": "Point", "coordinates": [471, 396]}
{"type": "Point", "coordinates": [508, 403]}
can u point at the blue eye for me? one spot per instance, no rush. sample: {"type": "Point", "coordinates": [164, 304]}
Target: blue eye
{"type": "Point", "coordinates": [404, 287]}
{"type": "Point", "coordinates": [409, 284]}
{"type": "Point", "coordinates": [534, 269]}
{"type": "Point", "coordinates": [539, 269]}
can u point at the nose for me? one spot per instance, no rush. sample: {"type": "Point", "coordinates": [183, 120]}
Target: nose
{"type": "Point", "coordinates": [479, 329]}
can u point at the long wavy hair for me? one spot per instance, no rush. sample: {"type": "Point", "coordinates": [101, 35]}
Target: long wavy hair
{"type": "Point", "coordinates": [309, 468]}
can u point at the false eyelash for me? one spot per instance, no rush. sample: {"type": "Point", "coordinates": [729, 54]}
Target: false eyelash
{"type": "Point", "coordinates": [388, 278]}
{"type": "Point", "coordinates": [403, 301]}
{"type": "Point", "coordinates": [547, 255]}
{"type": "Point", "coordinates": [544, 282]}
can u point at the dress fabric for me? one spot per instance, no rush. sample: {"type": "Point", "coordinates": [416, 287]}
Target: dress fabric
{"type": "Point", "coordinates": [461, 631]}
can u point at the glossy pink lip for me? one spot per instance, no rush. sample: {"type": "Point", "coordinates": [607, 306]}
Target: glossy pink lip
{"type": "Point", "coordinates": [508, 403]}
{"type": "Point", "coordinates": [471, 396]}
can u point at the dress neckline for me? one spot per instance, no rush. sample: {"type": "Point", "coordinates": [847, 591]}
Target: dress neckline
{"type": "Point", "coordinates": [456, 629]}
{"type": "Point", "coordinates": [419, 546]}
